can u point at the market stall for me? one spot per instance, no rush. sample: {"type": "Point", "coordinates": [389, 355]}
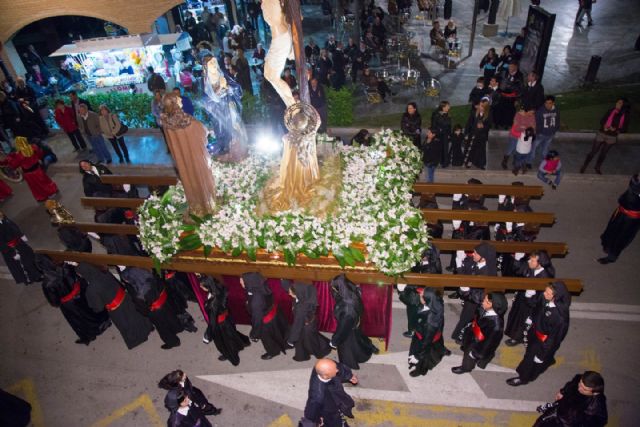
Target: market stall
{"type": "Point", "coordinates": [118, 62]}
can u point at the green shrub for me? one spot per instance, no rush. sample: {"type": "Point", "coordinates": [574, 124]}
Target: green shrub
{"type": "Point", "coordinates": [339, 106]}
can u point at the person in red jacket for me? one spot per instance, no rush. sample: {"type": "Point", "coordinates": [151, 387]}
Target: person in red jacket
{"type": "Point", "coordinates": [28, 157]}
{"type": "Point", "coordinates": [66, 119]}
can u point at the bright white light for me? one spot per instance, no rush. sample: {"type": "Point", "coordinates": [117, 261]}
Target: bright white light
{"type": "Point", "coordinates": [267, 144]}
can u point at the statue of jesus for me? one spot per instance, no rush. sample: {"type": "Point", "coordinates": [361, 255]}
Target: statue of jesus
{"type": "Point", "coordinates": [280, 50]}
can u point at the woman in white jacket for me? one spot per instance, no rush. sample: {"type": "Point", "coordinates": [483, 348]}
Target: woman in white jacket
{"type": "Point", "coordinates": [110, 126]}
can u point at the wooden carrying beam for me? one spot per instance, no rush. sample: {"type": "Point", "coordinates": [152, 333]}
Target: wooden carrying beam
{"type": "Point", "coordinates": [434, 215]}
{"type": "Point", "coordinates": [444, 245]}
{"type": "Point", "coordinates": [323, 273]}
{"type": "Point", "coordinates": [111, 202]}
{"type": "Point", "coordinates": [482, 189]}
{"type": "Point", "coordinates": [152, 180]}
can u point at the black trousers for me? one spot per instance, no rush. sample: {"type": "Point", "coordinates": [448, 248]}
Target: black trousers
{"type": "Point", "coordinates": [598, 146]}
{"type": "Point", "coordinates": [77, 140]}
{"type": "Point", "coordinates": [119, 146]}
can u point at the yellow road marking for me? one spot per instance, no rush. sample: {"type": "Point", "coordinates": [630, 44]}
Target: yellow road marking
{"type": "Point", "coordinates": [27, 389]}
{"type": "Point", "coordinates": [591, 361]}
{"type": "Point", "coordinates": [144, 402]}
{"type": "Point", "coordinates": [282, 421]}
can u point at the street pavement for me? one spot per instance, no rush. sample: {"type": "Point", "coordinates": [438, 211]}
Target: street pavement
{"type": "Point", "coordinates": [106, 385]}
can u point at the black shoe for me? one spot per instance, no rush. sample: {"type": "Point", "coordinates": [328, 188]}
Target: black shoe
{"type": "Point", "coordinates": [191, 328]}
{"type": "Point", "coordinates": [407, 334]}
{"type": "Point", "coordinates": [128, 160]}
{"type": "Point", "coordinates": [605, 260]}
{"type": "Point", "coordinates": [529, 166]}
{"type": "Point", "coordinates": [458, 370]}
{"type": "Point", "coordinates": [504, 163]}
{"type": "Point", "coordinates": [515, 382]}
{"type": "Point", "coordinates": [415, 373]}
{"type": "Point", "coordinates": [512, 343]}
{"type": "Point", "coordinates": [168, 346]}
{"type": "Point", "coordinates": [554, 187]}
{"type": "Point", "coordinates": [590, 23]}
{"type": "Point", "coordinates": [598, 171]}
{"type": "Point", "coordinates": [222, 358]}
{"type": "Point", "coordinates": [458, 341]}
{"type": "Point", "coordinates": [266, 356]}
{"type": "Point", "coordinates": [216, 411]}
{"type": "Point", "coordinates": [454, 295]}
{"type": "Point", "coordinates": [447, 352]}
{"type": "Point", "coordinates": [83, 341]}
{"type": "Point", "coordinates": [121, 160]}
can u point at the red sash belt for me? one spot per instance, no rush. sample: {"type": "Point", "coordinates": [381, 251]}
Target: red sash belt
{"type": "Point", "coordinates": [222, 316]}
{"type": "Point", "coordinates": [542, 337]}
{"type": "Point", "coordinates": [117, 300]}
{"type": "Point", "coordinates": [629, 213]}
{"type": "Point", "coordinates": [169, 274]}
{"type": "Point", "coordinates": [477, 332]}
{"type": "Point", "coordinates": [270, 315]}
{"type": "Point", "coordinates": [13, 243]}
{"type": "Point", "coordinates": [71, 295]}
{"type": "Point", "coordinates": [437, 336]}
{"type": "Point", "coordinates": [157, 304]}
{"type": "Point", "coordinates": [419, 335]}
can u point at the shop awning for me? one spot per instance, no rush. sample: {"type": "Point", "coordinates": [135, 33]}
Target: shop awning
{"type": "Point", "coordinates": [118, 43]}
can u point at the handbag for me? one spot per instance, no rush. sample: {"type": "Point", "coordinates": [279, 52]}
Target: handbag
{"type": "Point", "coordinates": [123, 128]}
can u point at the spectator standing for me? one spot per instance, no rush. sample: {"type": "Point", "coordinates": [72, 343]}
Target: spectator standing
{"type": "Point", "coordinates": [523, 148]}
{"type": "Point", "coordinates": [66, 119]}
{"type": "Point", "coordinates": [533, 92]}
{"type": "Point", "coordinates": [550, 169]}
{"type": "Point", "coordinates": [290, 79]}
{"type": "Point", "coordinates": [156, 111]}
{"type": "Point", "coordinates": [411, 123]}
{"type": "Point", "coordinates": [319, 102]}
{"type": "Point", "coordinates": [29, 158]}
{"type": "Point", "coordinates": [581, 402]}
{"type": "Point", "coordinates": [75, 104]}
{"type": "Point", "coordinates": [477, 131]}
{"type": "Point", "coordinates": [441, 125]}
{"type": "Point", "coordinates": [518, 44]}
{"type": "Point", "coordinates": [506, 58]}
{"type": "Point", "coordinates": [155, 81]}
{"type": "Point", "coordinates": [523, 120]}
{"type": "Point", "coordinates": [614, 122]}
{"type": "Point", "coordinates": [489, 64]}
{"type": "Point", "coordinates": [477, 93]}
{"type": "Point", "coordinates": [456, 152]}
{"type": "Point", "coordinates": [511, 87]}
{"type": "Point", "coordinates": [186, 79]}
{"type": "Point", "coordinates": [89, 122]}
{"type": "Point", "coordinates": [112, 129]}
{"type": "Point", "coordinates": [187, 105]}
{"type": "Point", "coordinates": [244, 72]}
{"type": "Point", "coordinates": [431, 153]}
{"type": "Point", "coordinates": [547, 124]}
{"type": "Point", "coordinates": [324, 65]}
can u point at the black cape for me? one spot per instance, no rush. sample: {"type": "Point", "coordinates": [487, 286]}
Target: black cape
{"type": "Point", "coordinates": [353, 346]}
{"type": "Point", "coordinates": [58, 282]}
{"type": "Point", "coordinates": [260, 303]}
{"type": "Point", "coordinates": [427, 343]}
{"type": "Point", "coordinates": [329, 400]}
{"type": "Point", "coordinates": [304, 333]}
{"type": "Point", "coordinates": [221, 329]}
{"type": "Point", "coordinates": [622, 229]}
{"type": "Point", "coordinates": [483, 346]}
{"type": "Point", "coordinates": [147, 292]}
{"type": "Point", "coordinates": [23, 270]}
{"type": "Point", "coordinates": [102, 289]}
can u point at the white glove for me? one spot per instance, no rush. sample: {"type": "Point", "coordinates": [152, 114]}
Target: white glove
{"type": "Point", "coordinates": [16, 257]}
{"type": "Point", "coordinates": [126, 187]}
{"type": "Point", "coordinates": [413, 360]}
{"type": "Point", "coordinates": [471, 223]}
{"type": "Point", "coordinates": [496, 228]}
{"type": "Point", "coordinates": [464, 289]}
{"type": "Point", "coordinates": [75, 264]}
{"type": "Point", "coordinates": [24, 238]}
{"type": "Point", "coordinates": [519, 256]}
{"type": "Point", "coordinates": [331, 344]}
{"type": "Point", "coordinates": [93, 235]}
{"type": "Point", "coordinates": [536, 360]}
{"type": "Point", "coordinates": [529, 293]}
{"type": "Point", "coordinates": [460, 256]}
{"type": "Point", "coordinates": [509, 226]}
{"type": "Point", "coordinates": [471, 355]}
{"type": "Point", "coordinates": [457, 197]}
{"type": "Point", "coordinates": [401, 286]}
{"type": "Point", "coordinates": [456, 223]}
{"type": "Point", "coordinates": [501, 198]}
{"type": "Point", "coordinates": [528, 321]}
{"type": "Point", "coordinates": [520, 224]}
{"type": "Point", "coordinates": [121, 267]}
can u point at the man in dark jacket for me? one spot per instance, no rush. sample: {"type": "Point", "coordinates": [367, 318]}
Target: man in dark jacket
{"type": "Point", "coordinates": [327, 399]}
{"type": "Point", "coordinates": [533, 92]}
{"type": "Point", "coordinates": [155, 81]}
{"type": "Point", "coordinates": [547, 124]}
{"type": "Point", "coordinates": [581, 402]}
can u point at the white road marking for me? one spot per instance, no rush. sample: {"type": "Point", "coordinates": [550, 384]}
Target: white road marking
{"type": "Point", "coordinates": [451, 390]}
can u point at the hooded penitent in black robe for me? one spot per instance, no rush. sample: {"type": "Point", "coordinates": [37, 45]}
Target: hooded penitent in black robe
{"type": "Point", "coordinates": [478, 137]}
{"type": "Point", "coordinates": [328, 400]}
{"type": "Point", "coordinates": [525, 301]}
{"type": "Point", "coordinates": [472, 297]}
{"type": "Point", "coordinates": [64, 289]}
{"type": "Point", "coordinates": [102, 291]}
{"type": "Point", "coordinates": [353, 346]}
{"type": "Point", "coordinates": [576, 409]}
{"type": "Point", "coordinates": [180, 292]}
{"type": "Point", "coordinates": [624, 223]}
{"type": "Point", "coordinates": [427, 343]}
{"type": "Point", "coordinates": [152, 301]}
{"type": "Point", "coordinates": [267, 323]}
{"type": "Point", "coordinates": [12, 246]}
{"type": "Point", "coordinates": [303, 334]}
{"type": "Point", "coordinates": [550, 326]}
{"type": "Point", "coordinates": [430, 264]}
{"type": "Point", "coordinates": [482, 336]}
{"type": "Point", "coordinates": [74, 239]}
{"type": "Point", "coordinates": [221, 329]}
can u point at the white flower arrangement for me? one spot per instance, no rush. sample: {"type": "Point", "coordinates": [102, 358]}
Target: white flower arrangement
{"type": "Point", "coordinates": [373, 209]}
